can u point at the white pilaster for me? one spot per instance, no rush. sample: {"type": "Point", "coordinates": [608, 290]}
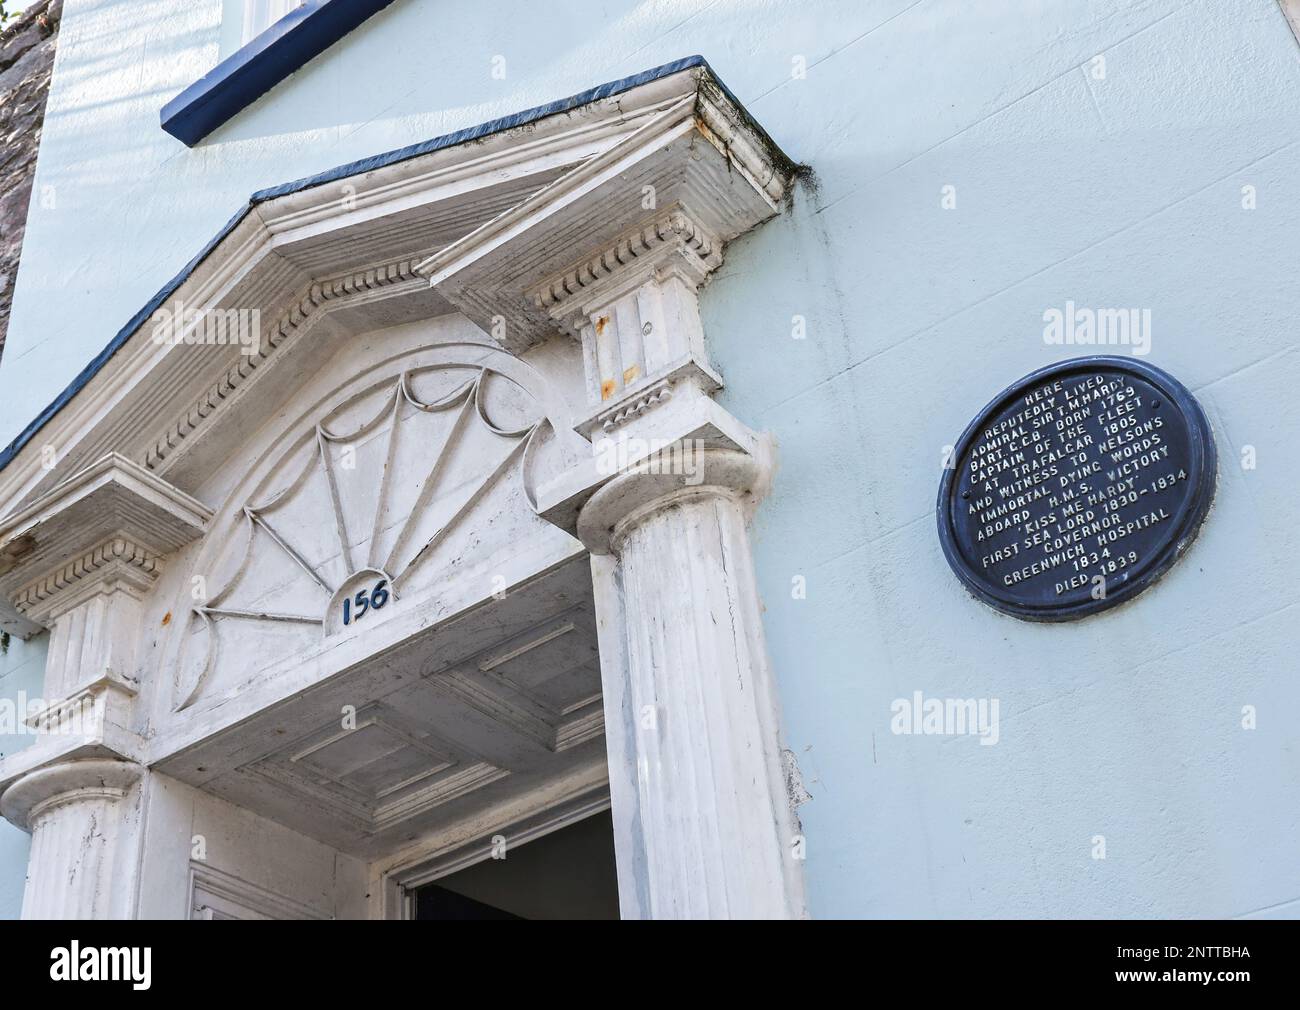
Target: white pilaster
{"type": "Point", "coordinates": [95, 545]}
{"type": "Point", "coordinates": [692, 724]}
{"type": "Point", "coordinates": [717, 828]}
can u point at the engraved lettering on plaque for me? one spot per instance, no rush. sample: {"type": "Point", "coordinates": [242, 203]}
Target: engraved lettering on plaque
{"type": "Point", "coordinates": [1076, 488]}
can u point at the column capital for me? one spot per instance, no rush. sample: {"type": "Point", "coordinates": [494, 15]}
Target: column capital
{"type": "Point", "coordinates": [44, 789]}
{"type": "Point", "coordinates": [678, 474]}
{"type": "Point", "coordinates": [82, 861]}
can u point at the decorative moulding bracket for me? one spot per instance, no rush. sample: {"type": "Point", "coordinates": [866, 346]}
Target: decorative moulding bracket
{"type": "Point", "coordinates": [96, 715]}
{"type": "Point", "coordinates": [687, 427]}
{"type": "Point", "coordinates": [112, 521]}
{"type": "Point", "coordinates": [672, 242]}
{"type": "Point", "coordinates": [115, 564]}
{"type": "Point", "coordinates": [618, 416]}
{"type": "Point", "coordinates": [697, 175]}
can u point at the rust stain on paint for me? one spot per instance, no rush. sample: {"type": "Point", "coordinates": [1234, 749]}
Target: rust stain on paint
{"type": "Point", "coordinates": [167, 618]}
{"type": "Point", "coordinates": [629, 374]}
{"type": "Point", "coordinates": [601, 323]}
{"type": "Point", "coordinates": [606, 388]}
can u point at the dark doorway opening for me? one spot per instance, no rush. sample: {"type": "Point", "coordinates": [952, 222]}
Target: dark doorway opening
{"type": "Point", "coordinates": [567, 874]}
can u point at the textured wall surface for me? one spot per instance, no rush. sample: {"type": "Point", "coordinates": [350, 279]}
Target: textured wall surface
{"type": "Point", "coordinates": [26, 59]}
{"type": "Point", "coordinates": [1117, 182]}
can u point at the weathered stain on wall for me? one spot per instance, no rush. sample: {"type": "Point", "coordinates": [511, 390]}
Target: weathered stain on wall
{"type": "Point", "coordinates": [26, 59]}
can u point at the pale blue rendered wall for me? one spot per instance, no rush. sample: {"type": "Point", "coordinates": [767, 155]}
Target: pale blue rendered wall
{"type": "Point", "coordinates": [1124, 191]}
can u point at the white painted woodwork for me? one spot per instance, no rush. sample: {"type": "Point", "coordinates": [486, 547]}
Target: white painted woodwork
{"type": "Point", "coordinates": [76, 812]}
{"type": "Point", "coordinates": [490, 326]}
{"type": "Point", "coordinates": [694, 710]}
{"type": "Point", "coordinates": [717, 828]}
{"type": "Point", "coordinates": [499, 703]}
{"type": "Point", "coordinates": [216, 895]}
{"type": "Point", "coordinates": [110, 522]}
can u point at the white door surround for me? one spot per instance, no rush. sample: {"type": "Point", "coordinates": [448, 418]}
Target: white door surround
{"type": "Point", "coordinates": [351, 577]}
{"type": "Point", "coordinates": [398, 876]}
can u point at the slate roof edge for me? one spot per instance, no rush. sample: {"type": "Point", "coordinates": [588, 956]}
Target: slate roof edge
{"type": "Point", "coordinates": [345, 171]}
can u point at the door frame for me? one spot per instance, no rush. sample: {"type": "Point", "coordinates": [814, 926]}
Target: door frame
{"type": "Point", "coordinates": [437, 858]}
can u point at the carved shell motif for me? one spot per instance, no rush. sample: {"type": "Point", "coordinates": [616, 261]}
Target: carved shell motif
{"type": "Point", "coordinates": [364, 503]}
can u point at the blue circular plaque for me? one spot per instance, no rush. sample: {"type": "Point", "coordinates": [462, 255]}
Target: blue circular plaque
{"type": "Point", "coordinates": [1076, 488]}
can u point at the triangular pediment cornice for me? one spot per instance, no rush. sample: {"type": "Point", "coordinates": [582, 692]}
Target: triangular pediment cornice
{"type": "Point", "coordinates": [467, 222]}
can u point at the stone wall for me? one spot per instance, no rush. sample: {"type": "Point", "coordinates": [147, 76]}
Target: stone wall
{"type": "Point", "coordinates": [26, 58]}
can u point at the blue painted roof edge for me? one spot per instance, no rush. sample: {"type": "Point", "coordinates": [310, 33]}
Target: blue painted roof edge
{"type": "Point", "coordinates": [255, 68]}
{"type": "Point", "coordinates": [341, 172]}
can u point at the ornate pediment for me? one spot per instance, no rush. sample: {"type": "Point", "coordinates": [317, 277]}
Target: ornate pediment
{"type": "Point", "coordinates": [522, 224]}
{"type": "Point", "coordinates": [334, 254]}
{"type": "Point", "coordinates": [394, 483]}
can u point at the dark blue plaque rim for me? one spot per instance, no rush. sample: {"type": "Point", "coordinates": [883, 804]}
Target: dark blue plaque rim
{"type": "Point", "coordinates": [1202, 464]}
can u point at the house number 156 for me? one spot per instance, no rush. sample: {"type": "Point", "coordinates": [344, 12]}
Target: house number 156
{"type": "Point", "coordinates": [355, 608]}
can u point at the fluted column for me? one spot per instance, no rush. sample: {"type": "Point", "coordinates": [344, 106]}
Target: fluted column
{"type": "Point", "coordinates": [703, 819]}
{"type": "Point", "coordinates": [75, 812]}
{"type": "Point", "coordinates": [699, 721]}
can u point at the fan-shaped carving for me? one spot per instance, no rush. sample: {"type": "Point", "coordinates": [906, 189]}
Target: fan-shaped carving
{"type": "Point", "coordinates": [366, 498]}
